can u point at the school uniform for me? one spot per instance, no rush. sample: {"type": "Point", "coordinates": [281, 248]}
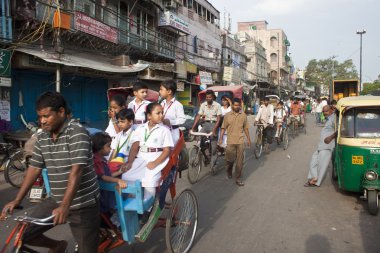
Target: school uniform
{"type": "Point", "coordinates": [173, 111]}
{"type": "Point", "coordinates": [110, 130]}
{"type": "Point", "coordinates": [139, 111]}
{"type": "Point", "coordinates": [122, 143]}
{"type": "Point", "coordinates": [151, 145]}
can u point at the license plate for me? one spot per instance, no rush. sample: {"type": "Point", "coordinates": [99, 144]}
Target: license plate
{"type": "Point", "coordinates": [357, 159]}
{"type": "Point", "coordinates": [36, 193]}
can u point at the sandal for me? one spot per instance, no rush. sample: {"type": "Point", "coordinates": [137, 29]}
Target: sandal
{"type": "Point", "coordinates": [308, 184]}
{"type": "Point", "coordinates": [239, 183]}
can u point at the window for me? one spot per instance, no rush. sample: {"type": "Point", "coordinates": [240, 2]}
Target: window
{"type": "Point", "coordinates": [195, 6]}
{"type": "Point", "coordinates": [273, 41]}
{"type": "Point", "coordinates": [273, 57]}
{"type": "Point", "coordinates": [361, 122]}
{"type": "Point", "coordinates": [190, 4]}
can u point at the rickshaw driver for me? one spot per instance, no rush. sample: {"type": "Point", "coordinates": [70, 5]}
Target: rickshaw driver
{"type": "Point", "coordinates": [265, 116]}
{"type": "Point", "coordinates": [322, 156]}
{"type": "Point", "coordinates": [211, 113]}
{"type": "Point", "coordinates": [295, 111]}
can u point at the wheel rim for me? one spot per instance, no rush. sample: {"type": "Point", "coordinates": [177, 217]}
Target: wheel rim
{"type": "Point", "coordinates": [15, 170]}
{"type": "Point", "coordinates": [181, 225]}
{"type": "Point", "coordinates": [195, 165]}
{"type": "Point", "coordinates": [286, 140]}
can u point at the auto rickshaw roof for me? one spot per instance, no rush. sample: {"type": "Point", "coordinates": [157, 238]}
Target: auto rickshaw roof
{"type": "Point", "coordinates": [358, 101]}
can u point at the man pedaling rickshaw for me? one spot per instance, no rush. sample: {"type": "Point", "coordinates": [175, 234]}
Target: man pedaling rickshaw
{"type": "Point", "coordinates": [295, 112]}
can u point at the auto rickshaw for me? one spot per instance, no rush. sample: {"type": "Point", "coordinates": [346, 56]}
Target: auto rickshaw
{"type": "Point", "coordinates": [357, 153]}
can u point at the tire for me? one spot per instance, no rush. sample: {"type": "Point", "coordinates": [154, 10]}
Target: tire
{"type": "Point", "coordinates": [258, 147]}
{"type": "Point", "coordinates": [15, 169]}
{"type": "Point", "coordinates": [373, 202]}
{"type": "Point", "coordinates": [195, 164]}
{"type": "Point", "coordinates": [285, 140]}
{"type": "Point", "coordinates": [334, 176]}
{"type": "Point", "coordinates": [181, 225]}
{"type": "Point", "coordinates": [293, 129]}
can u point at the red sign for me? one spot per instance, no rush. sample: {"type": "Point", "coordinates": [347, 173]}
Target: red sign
{"type": "Point", "coordinates": [92, 26]}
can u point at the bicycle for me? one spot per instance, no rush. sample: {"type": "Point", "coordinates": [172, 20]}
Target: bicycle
{"type": "Point", "coordinates": [14, 164]}
{"type": "Point", "coordinates": [201, 154]}
{"type": "Point", "coordinates": [18, 231]}
{"type": "Point", "coordinates": [294, 126]}
{"type": "Point", "coordinates": [284, 138]}
{"type": "Point", "coordinates": [259, 141]}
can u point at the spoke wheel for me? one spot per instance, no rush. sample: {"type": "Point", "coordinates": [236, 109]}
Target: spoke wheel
{"type": "Point", "coordinates": [293, 129]}
{"type": "Point", "coordinates": [258, 148]}
{"type": "Point", "coordinates": [195, 165]}
{"type": "Point", "coordinates": [285, 139]}
{"type": "Point", "coordinates": [373, 202]}
{"type": "Point", "coordinates": [181, 225]}
{"type": "Point", "coordinates": [15, 169]}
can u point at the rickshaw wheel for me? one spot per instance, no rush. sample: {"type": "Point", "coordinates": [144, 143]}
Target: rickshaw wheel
{"type": "Point", "coordinates": [373, 202]}
{"type": "Point", "coordinates": [195, 165]}
{"type": "Point", "coordinates": [181, 225]}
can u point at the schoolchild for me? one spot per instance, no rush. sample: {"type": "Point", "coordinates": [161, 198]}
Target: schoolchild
{"type": "Point", "coordinates": [117, 103]}
{"type": "Point", "coordinates": [150, 151]}
{"type": "Point", "coordinates": [173, 112]}
{"type": "Point", "coordinates": [280, 115]}
{"type": "Point", "coordinates": [101, 147]}
{"type": "Point", "coordinates": [122, 143]}
{"type": "Point", "coordinates": [139, 104]}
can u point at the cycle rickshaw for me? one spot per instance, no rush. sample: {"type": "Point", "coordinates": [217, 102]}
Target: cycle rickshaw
{"type": "Point", "coordinates": [202, 153]}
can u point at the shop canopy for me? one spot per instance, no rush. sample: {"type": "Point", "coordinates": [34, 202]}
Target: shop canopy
{"type": "Point", "coordinates": [82, 59]}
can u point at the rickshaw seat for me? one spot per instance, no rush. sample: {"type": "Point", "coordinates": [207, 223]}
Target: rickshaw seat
{"type": "Point", "coordinates": [128, 208]}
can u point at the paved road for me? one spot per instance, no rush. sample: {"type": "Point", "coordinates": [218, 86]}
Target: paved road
{"type": "Point", "coordinates": [273, 212]}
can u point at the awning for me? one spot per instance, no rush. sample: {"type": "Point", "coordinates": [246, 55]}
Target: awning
{"type": "Point", "coordinates": [82, 59]}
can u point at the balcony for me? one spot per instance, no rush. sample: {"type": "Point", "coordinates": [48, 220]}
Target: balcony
{"type": "Point", "coordinates": [6, 29]}
{"type": "Point", "coordinates": [110, 27]}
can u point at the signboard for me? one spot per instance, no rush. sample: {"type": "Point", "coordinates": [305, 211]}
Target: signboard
{"type": "Point", "coordinates": [231, 74]}
{"type": "Point", "coordinates": [91, 26]}
{"type": "Point", "coordinates": [180, 86]}
{"type": "Point", "coordinates": [206, 77]}
{"type": "Point", "coordinates": [5, 63]}
{"type": "Point", "coordinates": [191, 68]}
{"type": "Point", "coordinates": [5, 81]}
{"type": "Point", "coordinates": [170, 19]}
{"type": "Point", "coordinates": [5, 110]}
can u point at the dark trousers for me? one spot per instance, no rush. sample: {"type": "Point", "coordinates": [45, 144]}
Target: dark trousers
{"type": "Point", "coordinates": [268, 134]}
{"type": "Point", "coordinates": [84, 225]}
{"type": "Point", "coordinates": [235, 154]}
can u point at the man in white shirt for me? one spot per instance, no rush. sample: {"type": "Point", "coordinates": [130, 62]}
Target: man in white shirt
{"type": "Point", "coordinates": [265, 116]}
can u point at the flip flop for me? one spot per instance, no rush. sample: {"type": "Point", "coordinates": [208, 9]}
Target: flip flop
{"type": "Point", "coordinates": [239, 183]}
{"type": "Point", "coordinates": [307, 184]}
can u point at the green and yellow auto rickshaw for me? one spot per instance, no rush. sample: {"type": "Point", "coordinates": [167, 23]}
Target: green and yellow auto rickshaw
{"type": "Point", "coordinates": [357, 152]}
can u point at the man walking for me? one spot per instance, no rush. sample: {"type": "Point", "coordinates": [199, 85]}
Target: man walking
{"type": "Point", "coordinates": [322, 156]}
{"type": "Point", "coordinates": [64, 149]}
{"type": "Point", "coordinates": [236, 125]}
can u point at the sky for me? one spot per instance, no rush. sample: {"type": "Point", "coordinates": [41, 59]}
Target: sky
{"type": "Point", "coordinates": [317, 29]}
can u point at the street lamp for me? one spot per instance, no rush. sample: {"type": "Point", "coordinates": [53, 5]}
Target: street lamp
{"type": "Point", "coordinates": [361, 35]}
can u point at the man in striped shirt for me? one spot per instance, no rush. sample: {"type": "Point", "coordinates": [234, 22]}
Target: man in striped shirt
{"type": "Point", "coordinates": [64, 148]}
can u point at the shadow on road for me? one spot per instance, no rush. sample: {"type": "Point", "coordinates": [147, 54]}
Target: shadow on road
{"type": "Point", "coordinates": [318, 243]}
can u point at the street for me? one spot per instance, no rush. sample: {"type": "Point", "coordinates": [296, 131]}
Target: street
{"type": "Point", "coordinates": [273, 212]}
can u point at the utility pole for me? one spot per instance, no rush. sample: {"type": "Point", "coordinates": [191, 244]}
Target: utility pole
{"type": "Point", "coordinates": [361, 35]}
{"type": "Point", "coordinates": [278, 64]}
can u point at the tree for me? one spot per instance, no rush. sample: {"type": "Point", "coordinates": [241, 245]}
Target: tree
{"type": "Point", "coordinates": [371, 88]}
{"type": "Point", "coordinates": [321, 72]}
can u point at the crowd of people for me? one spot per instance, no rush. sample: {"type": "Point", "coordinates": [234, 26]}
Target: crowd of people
{"type": "Point", "coordinates": [136, 146]}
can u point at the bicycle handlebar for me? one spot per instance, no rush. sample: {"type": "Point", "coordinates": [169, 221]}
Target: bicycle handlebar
{"type": "Point", "coordinates": [40, 222]}
{"type": "Point", "coordinates": [200, 134]}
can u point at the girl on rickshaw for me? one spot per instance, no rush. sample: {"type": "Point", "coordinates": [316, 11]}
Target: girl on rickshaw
{"type": "Point", "coordinates": [150, 151]}
{"type": "Point", "coordinates": [226, 107]}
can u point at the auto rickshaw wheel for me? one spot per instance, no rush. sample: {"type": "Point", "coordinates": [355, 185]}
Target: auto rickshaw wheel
{"type": "Point", "coordinates": [334, 176]}
{"type": "Point", "coordinates": [373, 202]}
{"type": "Point", "coordinates": [181, 225]}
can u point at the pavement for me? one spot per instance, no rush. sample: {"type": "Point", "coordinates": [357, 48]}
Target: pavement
{"type": "Point", "coordinates": [273, 212]}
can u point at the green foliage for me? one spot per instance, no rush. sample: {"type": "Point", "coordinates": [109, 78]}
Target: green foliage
{"type": "Point", "coordinates": [371, 88]}
{"type": "Point", "coordinates": [321, 71]}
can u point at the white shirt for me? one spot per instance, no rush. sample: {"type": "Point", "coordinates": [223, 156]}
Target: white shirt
{"type": "Point", "coordinates": [225, 111]}
{"type": "Point", "coordinates": [280, 113]}
{"type": "Point", "coordinates": [173, 111]}
{"type": "Point", "coordinates": [123, 142]}
{"type": "Point", "coordinates": [158, 137]}
{"type": "Point", "coordinates": [111, 130]}
{"type": "Point", "coordinates": [265, 114]}
{"type": "Point", "coordinates": [319, 108]}
{"type": "Point", "coordinates": [139, 109]}
{"type": "Point", "coordinates": [324, 102]}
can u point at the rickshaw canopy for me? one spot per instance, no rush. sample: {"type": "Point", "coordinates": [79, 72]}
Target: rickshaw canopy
{"type": "Point", "coordinates": [235, 90]}
{"type": "Point", "coordinates": [358, 101]}
{"type": "Point", "coordinates": [126, 92]}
